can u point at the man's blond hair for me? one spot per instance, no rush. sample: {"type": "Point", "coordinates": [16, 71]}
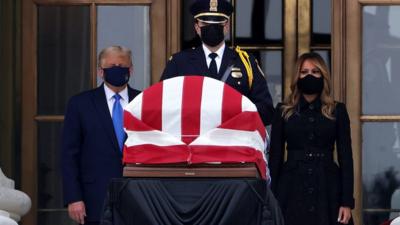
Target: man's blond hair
{"type": "Point", "coordinates": [114, 49]}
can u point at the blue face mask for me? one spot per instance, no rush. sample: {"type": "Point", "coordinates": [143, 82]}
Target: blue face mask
{"type": "Point", "coordinates": [117, 76]}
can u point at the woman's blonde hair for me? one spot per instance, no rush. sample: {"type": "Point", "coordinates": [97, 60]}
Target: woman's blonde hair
{"type": "Point", "coordinates": [291, 102]}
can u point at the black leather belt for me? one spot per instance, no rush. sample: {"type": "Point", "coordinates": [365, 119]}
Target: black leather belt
{"type": "Point", "coordinates": [310, 155]}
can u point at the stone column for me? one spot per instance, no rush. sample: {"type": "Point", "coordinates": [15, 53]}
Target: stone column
{"type": "Point", "coordinates": [13, 203]}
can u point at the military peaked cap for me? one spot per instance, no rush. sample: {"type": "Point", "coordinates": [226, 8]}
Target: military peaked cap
{"type": "Point", "coordinates": [211, 11]}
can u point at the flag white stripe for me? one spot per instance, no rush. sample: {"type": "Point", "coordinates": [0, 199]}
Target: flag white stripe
{"type": "Point", "coordinates": [211, 105]}
{"type": "Point", "coordinates": [229, 137]}
{"type": "Point", "coordinates": [247, 105]}
{"type": "Point", "coordinates": [135, 106]}
{"type": "Point", "coordinates": [171, 114]}
{"type": "Point", "coordinates": [153, 137]}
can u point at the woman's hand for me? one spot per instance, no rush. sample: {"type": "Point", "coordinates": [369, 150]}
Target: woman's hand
{"type": "Point", "coordinates": [344, 215]}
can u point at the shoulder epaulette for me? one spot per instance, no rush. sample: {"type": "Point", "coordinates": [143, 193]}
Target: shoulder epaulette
{"type": "Point", "coordinates": [245, 58]}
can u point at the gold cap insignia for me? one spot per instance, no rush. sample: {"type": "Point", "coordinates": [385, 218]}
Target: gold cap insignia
{"type": "Point", "coordinates": [213, 5]}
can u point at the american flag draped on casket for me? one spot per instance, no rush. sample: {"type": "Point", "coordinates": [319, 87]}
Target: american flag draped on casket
{"type": "Point", "coordinates": [193, 119]}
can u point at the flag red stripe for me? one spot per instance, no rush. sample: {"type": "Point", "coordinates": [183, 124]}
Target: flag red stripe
{"type": "Point", "coordinates": [153, 154]}
{"type": "Point", "coordinates": [231, 103]}
{"type": "Point", "coordinates": [152, 106]}
{"type": "Point", "coordinates": [134, 124]}
{"type": "Point", "coordinates": [253, 122]}
{"type": "Point", "coordinates": [191, 100]}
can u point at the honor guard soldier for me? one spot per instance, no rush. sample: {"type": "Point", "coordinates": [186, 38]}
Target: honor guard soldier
{"type": "Point", "coordinates": [214, 59]}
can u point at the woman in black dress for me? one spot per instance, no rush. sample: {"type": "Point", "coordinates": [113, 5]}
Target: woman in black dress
{"type": "Point", "coordinates": [310, 187]}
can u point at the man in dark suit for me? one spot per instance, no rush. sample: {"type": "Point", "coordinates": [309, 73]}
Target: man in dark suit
{"type": "Point", "coordinates": [214, 59]}
{"type": "Point", "coordinates": [93, 137]}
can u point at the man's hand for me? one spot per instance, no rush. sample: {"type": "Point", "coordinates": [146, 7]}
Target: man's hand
{"type": "Point", "coordinates": [77, 211]}
{"type": "Point", "coordinates": [344, 215]}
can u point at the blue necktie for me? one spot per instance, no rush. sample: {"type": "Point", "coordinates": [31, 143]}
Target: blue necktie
{"type": "Point", "coordinates": [118, 121]}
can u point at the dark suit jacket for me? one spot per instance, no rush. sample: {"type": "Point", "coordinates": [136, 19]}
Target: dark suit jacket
{"type": "Point", "coordinates": [193, 62]}
{"type": "Point", "coordinates": [90, 152]}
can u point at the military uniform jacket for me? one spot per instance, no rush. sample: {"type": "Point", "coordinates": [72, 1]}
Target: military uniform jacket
{"type": "Point", "coordinates": [193, 62]}
{"type": "Point", "coordinates": [310, 186]}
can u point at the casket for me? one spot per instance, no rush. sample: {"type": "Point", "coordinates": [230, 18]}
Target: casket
{"type": "Point", "coordinates": [194, 155]}
{"type": "Point", "coordinates": [186, 126]}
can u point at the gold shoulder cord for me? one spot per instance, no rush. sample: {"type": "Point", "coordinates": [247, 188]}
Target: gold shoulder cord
{"type": "Point", "coordinates": [247, 64]}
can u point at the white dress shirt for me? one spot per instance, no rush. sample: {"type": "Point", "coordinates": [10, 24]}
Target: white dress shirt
{"type": "Point", "coordinates": [218, 59]}
{"type": "Point", "coordinates": [110, 98]}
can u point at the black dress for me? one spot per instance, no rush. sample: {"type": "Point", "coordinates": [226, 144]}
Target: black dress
{"type": "Point", "coordinates": [310, 186]}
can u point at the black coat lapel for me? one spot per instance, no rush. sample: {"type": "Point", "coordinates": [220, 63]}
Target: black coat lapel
{"type": "Point", "coordinates": [99, 98]}
{"type": "Point", "coordinates": [132, 93]}
{"type": "Point", "coordinates": [199, 62]}
{"type": "Point", "coordinates": [228, 59]}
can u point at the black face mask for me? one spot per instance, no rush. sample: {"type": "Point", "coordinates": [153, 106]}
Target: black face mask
{"type": "Point", "coordinates": [310, 85]}
{"type": "Point", "coordinates": [212, 35]}
{"type": "Point", "coordinates": [116, 75]}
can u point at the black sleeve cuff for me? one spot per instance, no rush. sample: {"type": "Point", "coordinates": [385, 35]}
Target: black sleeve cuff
{"type": "Point", "coordinates": [348, 202]}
